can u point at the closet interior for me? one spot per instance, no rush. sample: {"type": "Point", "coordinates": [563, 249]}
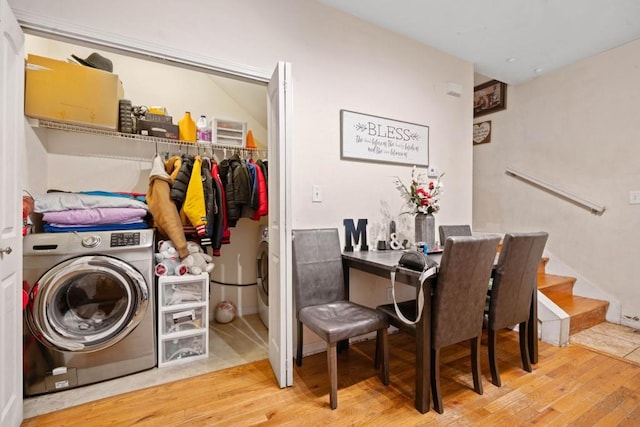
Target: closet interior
{"type": "Point", "coordinates": [75, 158]}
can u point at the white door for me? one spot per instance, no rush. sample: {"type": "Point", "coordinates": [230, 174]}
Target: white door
{"type": "Point", "coordinates": [280, 278]}
{"type": "Point", "coordinates": [11, 143]}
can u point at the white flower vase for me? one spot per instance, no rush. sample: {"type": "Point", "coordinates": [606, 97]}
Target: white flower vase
{"type": "Point", "coordinates": [426, 229]}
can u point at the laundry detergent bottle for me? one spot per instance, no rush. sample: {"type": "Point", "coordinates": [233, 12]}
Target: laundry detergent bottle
{"type": "Point", "coordinates": [187, 128]}
{"type": "Point", "coordinates": [203, 131]}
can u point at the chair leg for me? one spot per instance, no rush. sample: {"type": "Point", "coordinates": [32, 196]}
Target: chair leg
{"type": "Point", "coordinates": [376, 360]}
{"type": "Point", "coordinates": [435, 380]}
{"type": "Point", "coordinates": [299, 347]}
{"type": "Point", "coordinates": [332, 359]}
{"type": "Point", "coordinates": [382, 352]}
{"type": "Point", "coordinates": [524, 345]}
{"type": "Point", "coordinates": [475, 364]}
{"type": "Point", "coordinates": [493, 360]}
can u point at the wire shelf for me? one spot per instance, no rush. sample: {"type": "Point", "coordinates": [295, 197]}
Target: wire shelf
{"type": "Point", "coordinates": [169, 143]}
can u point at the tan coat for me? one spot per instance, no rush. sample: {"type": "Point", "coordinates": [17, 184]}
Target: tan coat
{"type": "Point", "coordinates": [165, 214]}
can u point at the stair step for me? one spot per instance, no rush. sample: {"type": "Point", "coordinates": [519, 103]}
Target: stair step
{"type": "Point", "coordinates": [584, 312]}
{"type": "Point", "coordinates": [553, 283]}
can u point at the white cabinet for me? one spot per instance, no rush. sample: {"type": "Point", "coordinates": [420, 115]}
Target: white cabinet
{"type": "Point", "coordinates": [183, 319]}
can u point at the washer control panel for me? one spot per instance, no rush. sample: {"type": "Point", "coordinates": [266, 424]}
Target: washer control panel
{"type": "Point", "coordinates": [125, 239]}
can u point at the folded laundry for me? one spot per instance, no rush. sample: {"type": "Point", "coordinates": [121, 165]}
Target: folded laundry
{"type": "Point", "coordinates": [126, 222]}
{"type": "Point", "coordinates": [94, 216]}
{"type": "Point", "coordinates": [60, 201]}
{"type": "Point", "coordinates": [102, 227]}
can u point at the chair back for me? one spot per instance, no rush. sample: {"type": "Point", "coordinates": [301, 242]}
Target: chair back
{"type": "Point", "coordinates": [452, 230]}
{"type": "Point", "coordinates": [463, 279]}
{"type": "Point", "coordinates": [317, 267]}
{"type": "Point", "coordinates": [514, 278]}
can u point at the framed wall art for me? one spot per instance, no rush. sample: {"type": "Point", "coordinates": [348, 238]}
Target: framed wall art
{"type": "Point", "coordinates": [489, 97]}
{"type": "Point", "coordinates": [378, 139]}
{"type": "Point", "coordinates": [482, 132]}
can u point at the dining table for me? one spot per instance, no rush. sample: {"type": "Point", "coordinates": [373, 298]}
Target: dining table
{"type": "Point", "coordinates": [382, 264]}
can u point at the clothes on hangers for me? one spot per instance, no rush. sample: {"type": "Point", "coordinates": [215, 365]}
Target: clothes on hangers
{"type": "Point", "coordinates": [210, 197]}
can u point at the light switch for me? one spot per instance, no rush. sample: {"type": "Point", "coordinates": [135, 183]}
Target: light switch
{"type": "Point", "coordinates": [432, 172]}
{"type": "Point", "coordinates": [634, 197]}
{"type": "Point", "coordinates": [316, 193]}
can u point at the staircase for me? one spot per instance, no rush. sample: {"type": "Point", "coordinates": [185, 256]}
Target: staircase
{"type": "Point", "coordinates": [583, 312]}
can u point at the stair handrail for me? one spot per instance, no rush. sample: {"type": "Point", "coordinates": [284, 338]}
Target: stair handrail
{"type": "Point", "coordinates": [594, 208]}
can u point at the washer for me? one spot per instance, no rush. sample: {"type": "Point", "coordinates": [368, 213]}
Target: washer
{"type": "Point", "coordinates": [262, 271]}
{"type": "Point", "coordinates": [91, 311]}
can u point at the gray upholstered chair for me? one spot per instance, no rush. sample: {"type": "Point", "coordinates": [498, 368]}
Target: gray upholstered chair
{"type": "Point", "coordinates": [457, 307]}
{"type": "Point", "coordinates": [321, 306]}
{"type": "Point", "coordinates": [453, 230]}
{"type": "Point", "coordinates": [514, 281]}
{"type": "Point", "coordinates": [409, 309]}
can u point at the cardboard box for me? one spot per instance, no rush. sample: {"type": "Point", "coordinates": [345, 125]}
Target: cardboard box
{"type": "Point", "coordinates": [58, 90]}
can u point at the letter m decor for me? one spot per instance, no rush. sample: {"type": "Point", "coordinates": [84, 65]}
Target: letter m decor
{"type": "Point", "coordinates": [359, 234]}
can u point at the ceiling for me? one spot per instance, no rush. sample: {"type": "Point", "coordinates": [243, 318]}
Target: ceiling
{"type": "Point", "coordinates": [509, 40]}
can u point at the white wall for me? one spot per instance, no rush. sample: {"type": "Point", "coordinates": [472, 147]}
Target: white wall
{"type": "Point", "coordinates": [338, 62]}
{"type": "Point", "coordinates": [578, 129]}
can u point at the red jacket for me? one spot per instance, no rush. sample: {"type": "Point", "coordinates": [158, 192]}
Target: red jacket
{"type": "Point", "coordinates": [263, 207]}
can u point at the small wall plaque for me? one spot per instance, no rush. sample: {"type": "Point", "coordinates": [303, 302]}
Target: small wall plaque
{"type": "Point", "coordinates": [482, 132]}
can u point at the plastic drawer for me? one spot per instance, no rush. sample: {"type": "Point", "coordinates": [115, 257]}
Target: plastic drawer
{"type": "Point", "coordinates": [183, 349]}
{"type": "Point", "coordinates": [181, 320]}
{"type": "Point", "coordinates": [182, 290]}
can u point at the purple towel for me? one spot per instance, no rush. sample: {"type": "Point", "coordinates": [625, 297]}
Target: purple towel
{"type": "Point", "coordinates": [94, 216]}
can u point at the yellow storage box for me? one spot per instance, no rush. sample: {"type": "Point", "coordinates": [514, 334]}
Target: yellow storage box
{"type": "Point", "coordinates": [58, 90]}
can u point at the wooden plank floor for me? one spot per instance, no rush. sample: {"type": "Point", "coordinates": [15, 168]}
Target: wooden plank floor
{"type": "Point", "coordinates": [569, 386]}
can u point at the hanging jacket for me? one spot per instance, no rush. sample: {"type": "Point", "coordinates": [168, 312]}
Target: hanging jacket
{"type": "Point", "coordinates": [241, 180]}
{"type": "Point", "coordinates": [220, 231]}
{"type": "Point", "coordinates": [210, 202]}
{"type": "Point", "coordinates": [237, 188]}
{"type": "Point", "coordinates": [181, 181]}
{"type": "Point", "coordinates": [265, 169]}
{"type": "Point", "coordinates": [165, 216]}
{"type": "Point", "coordinates": [249, 209]}
{"type": "Point", "coordinates": [194, 209]}
{"type": "Point", "coordinates": [226, 176]}
{"type": "Point", "coordinates": [263, 205]}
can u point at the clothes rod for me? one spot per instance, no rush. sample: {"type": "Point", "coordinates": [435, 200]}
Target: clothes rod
{"type": "Point", "coordinates": [577, 200]}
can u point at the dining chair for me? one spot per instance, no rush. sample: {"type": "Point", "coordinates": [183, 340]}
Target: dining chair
{"type": "Point", "coordinates": [457, 306]}
{"type": "Point", "coordinates": [453, 230]}
{"type": "Point", "coordinates": [514, 281]}
{"type": "Point", "coordinates": [321, 305]}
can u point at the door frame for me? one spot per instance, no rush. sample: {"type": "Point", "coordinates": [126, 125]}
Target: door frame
{"type": "Point", "coordinates": [65, 31]}
{"type": "Point", "coordinates": [11, 149]}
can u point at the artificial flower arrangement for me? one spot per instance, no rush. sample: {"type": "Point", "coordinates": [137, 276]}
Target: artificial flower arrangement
{"type": "Point", "coordinates": [421, 196]}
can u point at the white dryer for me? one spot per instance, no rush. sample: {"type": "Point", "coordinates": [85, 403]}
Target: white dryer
{"type": "Point", "coordinates": [262, 270]}
{"type": "Point", "coordinates": [91, 308]}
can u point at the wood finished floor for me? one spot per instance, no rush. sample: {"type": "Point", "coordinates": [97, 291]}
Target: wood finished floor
{"type": "Point", "coordinates": [569, 386]}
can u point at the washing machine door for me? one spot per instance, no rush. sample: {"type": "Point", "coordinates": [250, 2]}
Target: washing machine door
{"type": "Point", "coordinates": [87, 303]}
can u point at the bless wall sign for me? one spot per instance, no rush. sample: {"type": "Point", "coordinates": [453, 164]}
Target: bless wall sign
{"type": "Point", "coordinates": [378, 139]}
